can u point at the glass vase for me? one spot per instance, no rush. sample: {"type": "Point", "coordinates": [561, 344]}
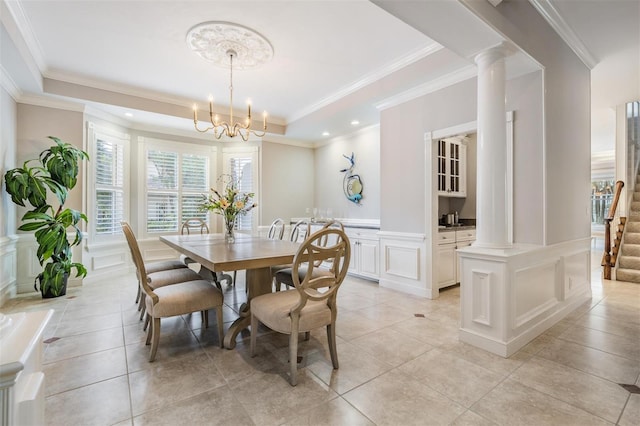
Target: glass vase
{"type": "Point", "coordinates": [229, 232]}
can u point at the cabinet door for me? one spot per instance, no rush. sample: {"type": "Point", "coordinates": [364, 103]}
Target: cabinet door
{"type": "Point", "coordinates": [446, 265]}
{"type": "Point", "coordinates": [368, 257]}
{"type": "Point", "coordinates": [442, 174]}
{"type": "Point", "coordinates": [354, 262]}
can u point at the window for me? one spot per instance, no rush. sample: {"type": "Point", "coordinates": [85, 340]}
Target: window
{"type": "Point", "coordinates": [176, 176]}
{"type": "Point", "coordinates": [108, 199]}
{"type": "Point", "coordinates": [241, 163]}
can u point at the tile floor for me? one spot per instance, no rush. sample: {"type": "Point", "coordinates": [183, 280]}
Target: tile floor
{"type": "Point", "coordinates": [396, 368]}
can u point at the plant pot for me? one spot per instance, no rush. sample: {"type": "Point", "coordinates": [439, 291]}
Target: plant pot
{"type": "Point", "coordinates": [48, 294]}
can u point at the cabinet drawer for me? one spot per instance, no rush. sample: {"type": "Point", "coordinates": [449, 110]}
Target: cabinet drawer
{"type": "Point", "coordinates": [466, 235]}
{"type": "Point", "coordinates": [446, 237]}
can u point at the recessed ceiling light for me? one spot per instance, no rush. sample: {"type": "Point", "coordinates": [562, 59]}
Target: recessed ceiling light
{"type": "Point", "coordinates": [325, 133]}
{"type": "Point", "coordinates": [128, 114]}
{"type": "Point", "coordinates": [355, 122]}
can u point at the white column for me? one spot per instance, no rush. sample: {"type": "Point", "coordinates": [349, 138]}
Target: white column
{"type": "Point", "coordinates": [491, 198]}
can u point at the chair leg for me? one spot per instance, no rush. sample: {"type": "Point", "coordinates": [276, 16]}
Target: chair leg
{"type": "Point", "coordinates": [220, 326]}
{"type": "Point", "coordinates": [331, 336]}
{"type": "Point", "coordinates": [149, 330]}
{"type": "Point", "coordinates": [235, 273]}
{"type": "Point", "coordinates": [146, 323]}
{"type": "Point", "coordinates": [307, 336]}
{"type": "Point", "coordinates": [293, 357]}
{"type": "Point", "coordinates": [254, 332]}
{"type": "Point", "coordinates": [138, 294]}
{"type": "Point", "coordinates": [155, 331]}
{"type": "Point", "coordinates": [205, 318]}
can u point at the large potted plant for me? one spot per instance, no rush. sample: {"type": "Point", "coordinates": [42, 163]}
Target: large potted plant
{"type": "Point", "coordinates": [56, 173]}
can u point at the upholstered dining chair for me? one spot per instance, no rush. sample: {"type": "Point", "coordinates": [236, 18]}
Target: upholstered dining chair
{"type": "Point", "coordinates": [197, 225]}
{"type": "Point", "coordinates": [284, 276]}
{"type": "Point", "coordinates": [179, 298]}
{"type": "Point", "coordinates": [160, 277]}
{"type": "Point", "coordinates": [312, 304]}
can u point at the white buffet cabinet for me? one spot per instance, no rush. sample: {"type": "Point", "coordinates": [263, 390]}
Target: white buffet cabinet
{"type": "Point", "coordinates": [365, 243]}
{"type": "Point", "coordinates": [449, 241]}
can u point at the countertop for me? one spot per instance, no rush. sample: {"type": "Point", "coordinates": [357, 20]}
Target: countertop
{"type": "Point", "coordinates": [455, 228]}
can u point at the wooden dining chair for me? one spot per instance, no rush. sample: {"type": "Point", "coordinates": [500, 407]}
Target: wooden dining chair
{"type": "Point", "coordinates": [306, 307]}
{"type": "Point", "coordinates": [178, 298]}
{"type": "Point", "coordinates": [164, 272]}
{"type": "Point", "coordinates": [284, 276]}
{"type": "Point", "coordinates": [197, 225]}
{"type": "Point", "coordinates": [276, 229]}
{"type": "Point", "coordinates": [301, 230]}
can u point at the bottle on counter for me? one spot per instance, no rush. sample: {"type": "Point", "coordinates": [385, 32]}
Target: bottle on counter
{"type": "Point", "coordinates": [455, 218]}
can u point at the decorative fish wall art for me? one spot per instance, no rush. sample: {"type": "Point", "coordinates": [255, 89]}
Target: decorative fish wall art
{"type": "Point", "coordinates": [351, 184]}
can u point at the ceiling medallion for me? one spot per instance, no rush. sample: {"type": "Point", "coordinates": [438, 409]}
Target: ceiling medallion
{"type": "Point", "coordinates": [213, 40]}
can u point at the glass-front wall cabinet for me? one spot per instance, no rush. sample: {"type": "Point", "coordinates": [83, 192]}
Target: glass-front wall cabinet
{"type": "Point", "coordinates": [452, 161]}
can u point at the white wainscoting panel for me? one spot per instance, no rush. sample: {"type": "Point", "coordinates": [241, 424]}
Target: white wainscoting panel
{"type": "Point", "coordinates": [481, 299]}
{"type": "Point", "coordinates": [8, 266]}
{"type": "Point", "coordinates": [404, 258]}
{"type": "Point", "coordinates": [535, 290]}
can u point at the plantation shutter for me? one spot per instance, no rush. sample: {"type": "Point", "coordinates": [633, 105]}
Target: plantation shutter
{"type": "Point", "coordinates": [195, 182]}
{"type": "Point", "coordinates": [175, 184]}
{"type": "Point", "coordinates": [109, 187]}
{"type": "Point", "coordinates": [242, 172]}
{"type": "Point", "coordinates": [162, 191]}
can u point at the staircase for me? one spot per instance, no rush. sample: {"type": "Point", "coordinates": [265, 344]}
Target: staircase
{"type": "Point", "coordinates": [629, 259]}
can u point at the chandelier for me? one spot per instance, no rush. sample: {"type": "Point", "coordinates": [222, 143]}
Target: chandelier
{"type": "Point", "coordinates": [226, 44]}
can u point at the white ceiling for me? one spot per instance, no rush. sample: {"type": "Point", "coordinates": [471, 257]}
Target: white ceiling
{"type": "Point", "coordinates": [334, 60]}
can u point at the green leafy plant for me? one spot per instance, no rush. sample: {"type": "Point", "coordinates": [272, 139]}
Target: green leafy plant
{"type": "Point", "coordinates": [57, 174]}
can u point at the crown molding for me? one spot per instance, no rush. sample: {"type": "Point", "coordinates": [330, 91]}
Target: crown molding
{"type": "Point", "coordinates": [33, 55]}
{"type": "Point", "coordinates": [368, 79]}
{"type": "Point", "coordinates": [557, 22]}
{"type": "Point", "coordinates": [454, 77]}
{"type": "Point", "coordinates": [9, 85]}
{"type": "Point", "coordinates": [49, 102]}
{"type": "Point", "coordinates": [286, 141]}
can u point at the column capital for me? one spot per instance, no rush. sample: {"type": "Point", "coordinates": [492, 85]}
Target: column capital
{"type": "Point", "coordinates": [493, 54]}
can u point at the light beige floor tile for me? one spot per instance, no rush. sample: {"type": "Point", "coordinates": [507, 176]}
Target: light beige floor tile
{"type": "Point", "coordinates": [593, 361]}
{"type": "Point", "coordinates": [391, 347]}
{"type": "Point", "coordinates": [237, 364]}
{"type": "Point", "coordinates": [215, 407]}
{"type": "Point", "coordinates": [469, 418]}
{"type": "Point", "coordinates": [537, 344]}
{"type": "Point", "coordinates": [352, 324]}
{"type": "Point", "coordinates": [172, 347]}
{"type": "Point", "coordinates": [485, 359]}
{"type": "Point", "coordinates": [631, 414]}
{"type": "Point", "coordinates": [597, 396]}
{"type": "Point", "coordinates": [83, 370]}
{"type": "Point", "coordinates": [603, 341]}
{"type": "Point", "coordinates": [80, 312]}
{"type": "Point", "coordinates": [385, 314]}
{"type": "Point", "coordinates": [460, 380]}
{"type": "Point", "coordinates": [103, 403]}
{"type": "Point", "coordinates": [72, 326]}
{"type": "Point", "coordinates": [513, 404]}
{"type": "Point", "coordinates": [608, 325]}
{"type": "Point", "coordinates": [270, 399]}
{"type": "Point", "coordinates": [428, 331]}
{"type": "Point", "coordinates": [394, 399]}
{"type": "Point", "coordinates": [82, 344]}
{"type": "Point", "coordinates": [617, 312]}
{"type": "Point", "coordinates": [335, 412]}
{"type": "Point", "coordinates": [356, 367]}
{"type": "Point", "coordinates": [558, 328]}
{"type": "Point", "coordinates": [169, 382]}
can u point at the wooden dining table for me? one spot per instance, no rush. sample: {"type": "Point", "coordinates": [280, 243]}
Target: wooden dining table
{"type": "Point", "coordinates": [256, 255]}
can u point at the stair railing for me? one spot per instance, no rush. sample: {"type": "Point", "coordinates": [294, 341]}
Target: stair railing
{"type": "Point", "coordinates": [611, 250]}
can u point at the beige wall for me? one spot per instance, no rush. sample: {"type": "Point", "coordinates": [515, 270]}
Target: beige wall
{"type": "Point", "coordinates": [329, 160]}
{"type": "Point", "coordinates": [402, 151]}
{"type": "Point", "coordinates": [287, 181]}
{"type": "Point", "coordinates": [35, 123]}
